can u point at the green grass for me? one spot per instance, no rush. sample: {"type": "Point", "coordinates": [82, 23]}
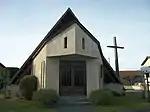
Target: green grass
{"type": "Point", "coordinates": [124, 103]}
{"type": "Point", "coordinates": [12, 105]}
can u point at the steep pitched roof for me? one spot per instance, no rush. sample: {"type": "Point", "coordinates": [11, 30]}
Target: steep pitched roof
{"type": "Point", "coordinates": [147, 57]}
{"type": "Point", "coordinates": [2, 65]}
{"type": "Point", "coordinates": [12, 71]}
{"type": "Point", "coordinates": [67, 19]}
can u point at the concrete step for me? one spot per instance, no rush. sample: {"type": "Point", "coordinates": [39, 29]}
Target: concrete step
{"type": "Point", "coordinates": [71, 100]}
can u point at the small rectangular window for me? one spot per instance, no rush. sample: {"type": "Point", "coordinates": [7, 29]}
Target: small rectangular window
{"type": "Point", "coordinates": [83, 43]}
{"type": "Point", "coordinates": [41, 80]}
{"type": "Point", "coordinates": [42, 74]}
{"type": "Point", "coordinates": [65, 42]}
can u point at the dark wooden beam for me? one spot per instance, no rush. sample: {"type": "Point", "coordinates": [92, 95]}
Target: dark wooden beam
{"type": "Point", "coordinates": [116, 55]}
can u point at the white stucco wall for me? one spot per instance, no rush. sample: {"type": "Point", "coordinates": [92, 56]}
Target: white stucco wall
{"type": "Point", "coordinates": [56, 46]}
{"type": "Point", "coordinates": [92, 75]}
{"type": "Point", "coordinates": [93, 65]}
{"type": "Point", "coordinates": [74, 36]}
{"type": "Point", "coordinates": [52, 70]}
{"type": "Point", "coordinates": [91, 48]}
{"type": "Point", "coordinates": [41, 57]}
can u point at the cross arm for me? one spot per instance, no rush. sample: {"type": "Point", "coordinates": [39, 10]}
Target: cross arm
{"type": "Point", "coordinates": [116, 47]}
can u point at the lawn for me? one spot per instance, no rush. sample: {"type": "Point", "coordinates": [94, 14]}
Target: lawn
{"type": "Point", "coordinates": [127, 102]}
{"type": "Point", "coordinates": [119, 104]}
{"type": "Point", "coordinates": [21, 106]}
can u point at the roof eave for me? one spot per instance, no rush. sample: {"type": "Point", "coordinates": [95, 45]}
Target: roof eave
{"type": "Point", "coordinates": [145, 60]}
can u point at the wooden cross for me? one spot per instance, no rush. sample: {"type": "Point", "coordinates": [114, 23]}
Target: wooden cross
{"type": "Point", "coordinates": [116, 55]}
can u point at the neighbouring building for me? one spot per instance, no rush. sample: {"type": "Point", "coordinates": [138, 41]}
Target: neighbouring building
{"type": "Point", "coordinates": [69, 60]}
{"type": "Point", "coordinates": [1, 75]}
{"type": "Point", "coordinates": [131, 77]}
{"type": "Point", "coordinates": [6, 72]}
{"type": "Point", "coordinates": [1, 66]}
{"type": "Point", "coordinates": [146, 62]}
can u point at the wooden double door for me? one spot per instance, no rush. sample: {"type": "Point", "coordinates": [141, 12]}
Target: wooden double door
{"type": "Point", "coordinates": [72, 78]}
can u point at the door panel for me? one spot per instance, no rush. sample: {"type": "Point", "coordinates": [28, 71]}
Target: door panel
{"type": "Point", "coordinates": [72, 77]}
{"type": "Point", "coordinates": [66, 77]}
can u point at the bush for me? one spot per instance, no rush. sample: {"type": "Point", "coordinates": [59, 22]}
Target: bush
{"type": "Point", "coordinates": [28, 85]}
{"type": "Point", "coordinates": [47, 97]}
{"type": "Point", "coordinates": [101, 97]}
{"type": "Point", "coordinates": [116, 89]}
{"type": "Point", "coordinates": [116, 94]}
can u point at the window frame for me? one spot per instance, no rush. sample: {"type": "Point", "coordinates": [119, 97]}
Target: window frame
{"type": "Point", "coordinates": [65, 42]}
{"type": "Point", "coordinates": [83, 43]}
{"type": "Point", "coordinates": [42, 74]}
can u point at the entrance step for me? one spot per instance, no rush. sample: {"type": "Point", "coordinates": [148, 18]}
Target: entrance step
{"type": "Point", "coordinates": [73, 100]}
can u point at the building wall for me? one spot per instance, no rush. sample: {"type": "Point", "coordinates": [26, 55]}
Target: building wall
{"type": "Point", "coordinates": [52, 70]}
{"type": "Point", "coordinates": [74, 36]}
{"type": "Point", "coordinates": [91, 48]}
{"type": "Point", "coordinates": [36, 65]}
{"type": "Point", "coordinates": [147, 63]}
{"type": "Point", "coordinates": [93, 65]}
{"type": "Point", "coordinates": [56, 46]}
{"type": "Point", "coordinates": [93, 75]}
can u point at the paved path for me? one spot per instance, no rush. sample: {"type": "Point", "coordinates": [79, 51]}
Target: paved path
{"type": "Point", "coordinates": [81, 104]}
{"type": "Point", "coordinates": [131, 110]}
{"type": "Point", "coordinates": [74, 104]}
{"type": "Point", "coordinates": [77, 108]}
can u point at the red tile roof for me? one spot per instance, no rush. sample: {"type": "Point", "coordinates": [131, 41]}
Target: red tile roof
{"type": "Point", "coordinates": [129, 73]}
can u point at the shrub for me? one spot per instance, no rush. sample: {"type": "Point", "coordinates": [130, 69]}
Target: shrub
{"type": "Point", "coordinates": [118, 94]}
{"type": "Point", "coordinates": [47, 97]}
{"type": "Point", "coordinates": [116, 89]}
{"type": "Point", "coordinates": [27, 86]}
{"type": "Point", "coordinates": [101, 97]}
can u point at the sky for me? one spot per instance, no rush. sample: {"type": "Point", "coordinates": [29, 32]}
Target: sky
{"type": "Point", "coordinates": [24, 23]}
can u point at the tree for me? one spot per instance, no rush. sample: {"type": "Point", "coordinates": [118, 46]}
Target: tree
{"type": "Point", "coordinates": [28, 85]}
{"type": "Point", "coordinates": [4, 78]}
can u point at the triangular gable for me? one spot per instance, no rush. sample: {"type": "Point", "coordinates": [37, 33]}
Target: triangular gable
{"type": "Point", "coordinates": [67, 19]}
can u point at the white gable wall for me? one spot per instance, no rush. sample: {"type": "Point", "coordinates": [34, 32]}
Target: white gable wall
{"type": "Point", "coordinates": [52, 70]}
{"type": "Point", "coordinates": [40, 58]}
{"type": "Point", "coordinates": [93, 65]}
{"type": "Point", "coordinates": [56, 46]}
{"type": "Point", "coordinates": [91, 48]}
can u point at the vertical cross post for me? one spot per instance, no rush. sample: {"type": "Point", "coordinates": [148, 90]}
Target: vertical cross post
{"type": "Point", "coordinates": [148, 95]}
{"type": "Point", "coordinates": [116, 55]}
